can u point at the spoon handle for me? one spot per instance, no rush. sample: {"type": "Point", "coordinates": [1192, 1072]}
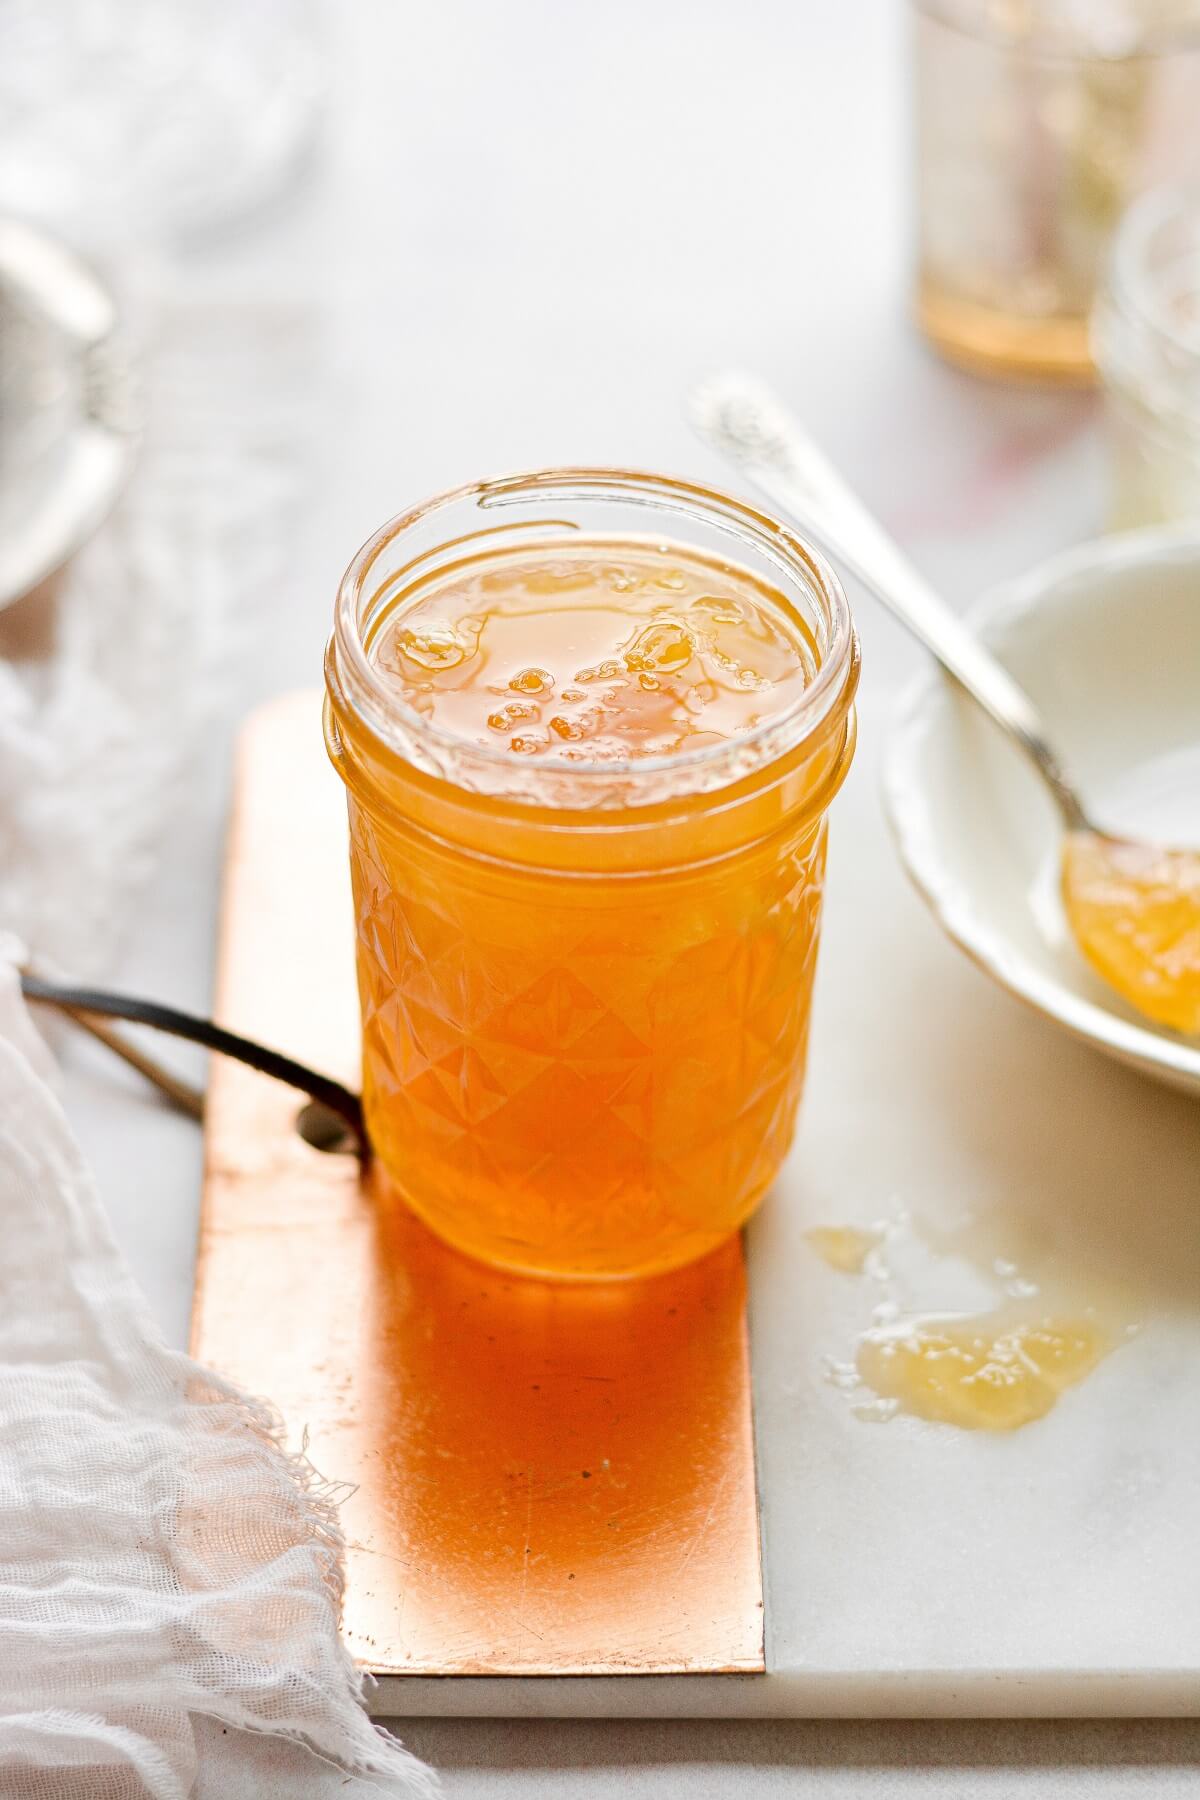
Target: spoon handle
{"type": "Point", "coordinates": [743, 420]}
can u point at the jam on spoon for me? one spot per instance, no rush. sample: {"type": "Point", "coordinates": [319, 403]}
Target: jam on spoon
{"type": "Point", "coordinates": [1135, 912]}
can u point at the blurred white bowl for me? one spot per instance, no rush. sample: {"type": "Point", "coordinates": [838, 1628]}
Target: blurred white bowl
{"type": "Point", "coordinates": [68, 411]}
{"type": "Point", "coordinates": [1106, 639]}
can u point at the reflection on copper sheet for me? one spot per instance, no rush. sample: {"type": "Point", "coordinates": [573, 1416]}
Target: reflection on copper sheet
{"type": "Point", "coordinates": [547, 1479]}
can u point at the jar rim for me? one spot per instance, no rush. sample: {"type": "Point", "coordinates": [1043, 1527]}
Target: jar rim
{"type": "Point", "coordinates": [354, 678]}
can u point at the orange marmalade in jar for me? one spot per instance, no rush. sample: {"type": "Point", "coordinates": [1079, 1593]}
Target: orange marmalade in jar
{"type": "Point", "coordinates": [589, 724]}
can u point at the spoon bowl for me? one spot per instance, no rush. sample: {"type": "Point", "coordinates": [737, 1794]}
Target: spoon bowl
{"type": "Point", "coordinates": [1105, 640]}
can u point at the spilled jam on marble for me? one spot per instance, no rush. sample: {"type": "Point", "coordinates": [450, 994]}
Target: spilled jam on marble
{"type": "Point", "coordinates": [602, 651]}
{"type": "Point", "coordinates": [844, 1247]}
{"type": "Point", "coordinates": [1135, 913]}
{"type": "Point", "coordinates": [985, 1373]}
{"type": "Point", "coordinates": [992, 1369]}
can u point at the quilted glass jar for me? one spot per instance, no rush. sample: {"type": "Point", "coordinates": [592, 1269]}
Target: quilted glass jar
{"type": "Point", "coordinates": [585, 981]}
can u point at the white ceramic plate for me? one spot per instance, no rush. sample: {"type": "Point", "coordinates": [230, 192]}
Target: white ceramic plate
{"type": "Point", "coordinates": [1106, 640]}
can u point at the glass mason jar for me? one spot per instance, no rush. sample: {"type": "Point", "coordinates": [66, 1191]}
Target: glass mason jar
{"type": "Point", "coordinates": [1146, 343]}
{"type": "Point", "coordinates": [585, 987]}
{"type": "Point", "coordinates": [1037, 121]}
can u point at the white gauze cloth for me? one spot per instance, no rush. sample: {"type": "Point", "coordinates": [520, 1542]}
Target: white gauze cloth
{"type": "Point", "coordinates": [162, 1560]}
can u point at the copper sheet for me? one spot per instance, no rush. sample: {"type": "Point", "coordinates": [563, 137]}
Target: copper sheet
{"type": "Point", "coordinates": [548, 1480]}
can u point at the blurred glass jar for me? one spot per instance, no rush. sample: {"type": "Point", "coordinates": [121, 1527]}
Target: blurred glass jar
{"type": "Point", "coordinates": [153, 118]}
{"type": "Point", "coordinates": [1036, 123]}
{"type": "Point", "coordinates": [1146, 344]}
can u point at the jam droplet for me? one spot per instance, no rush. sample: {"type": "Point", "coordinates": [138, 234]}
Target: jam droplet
{"type": "Point", "coordinates": [531, 681]}
{"type": "Point", "coordinates": [843, 1247]}
{"type": "Point", "coordinates": [662, 647]}
{"type": "Point", "coordinates": [700, 696]}
{"type": "Point", "coordinates": [434, 647]}
{"type": "Point", "coordinates": [507, 716]}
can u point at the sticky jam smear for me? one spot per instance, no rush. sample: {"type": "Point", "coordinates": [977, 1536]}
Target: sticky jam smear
{"type": "Point", "coordinates": [994, 1369]}
{"type": "Point", "coordinates": [1135, 912]}
{"type": "Point", "coordinates": [844, 1247]}
{"type": "Point", "coordinates": [984, 1373]}
{"type": "Point", "coordinates": [596, 651]}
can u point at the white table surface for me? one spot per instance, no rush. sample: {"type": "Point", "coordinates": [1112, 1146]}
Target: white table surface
{"type": "Point", "coordinates": [529, 228]}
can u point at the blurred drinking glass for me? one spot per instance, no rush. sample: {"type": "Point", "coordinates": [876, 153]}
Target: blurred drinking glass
{"type": "Point", "coordinates": [1037, 121]}
{"type": "Point", "coordinates": [152, 118]}
{"type": "Point", "coordinates": [1146, 343]}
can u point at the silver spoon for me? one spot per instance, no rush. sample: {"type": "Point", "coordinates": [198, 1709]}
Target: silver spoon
{"type": "Point", "coordinates": [1109, 883]}
{"type": "Point", "coordinates": [742, 419]}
